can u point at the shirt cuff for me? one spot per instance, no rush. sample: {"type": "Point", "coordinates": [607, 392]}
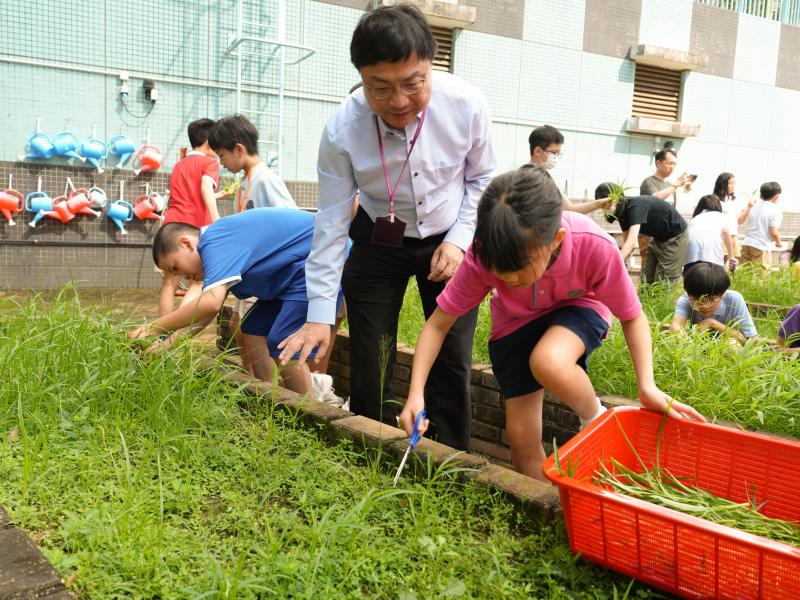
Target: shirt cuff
{"type": "Point", "coordinates": [227, 282]}
{"type": "Point", "coordinates": [322, 310]}
{"type": "Point", "coordinates": [460, 235]}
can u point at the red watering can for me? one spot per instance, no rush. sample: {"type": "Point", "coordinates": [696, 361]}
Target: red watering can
{"type": "Point", "coordinates": [144, 207]}
{"type": "Point", "coordinates": [11, 201]}
{"type": "Point", "coordinates": [67, 206]}
{"type": "Point", "coordinates": [147, 158]}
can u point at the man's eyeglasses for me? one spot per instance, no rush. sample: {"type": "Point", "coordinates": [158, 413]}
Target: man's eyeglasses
{"type": "Point", "coordinates": [384, 92]}
{"type": "Point", "coordinates": [551, 153]}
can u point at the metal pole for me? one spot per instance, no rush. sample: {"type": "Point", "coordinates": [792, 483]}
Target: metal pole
{"type": "Point", "coordinates": [281, 80]}
{"type": "Point", "coordinates": [239, 57]}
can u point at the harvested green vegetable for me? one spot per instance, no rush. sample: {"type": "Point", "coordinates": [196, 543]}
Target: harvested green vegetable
{"type": "Point", "coordinates": [658, 486]}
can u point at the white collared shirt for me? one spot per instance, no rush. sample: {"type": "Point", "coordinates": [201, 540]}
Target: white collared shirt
{"type": "Point", "coordinates": [451, 165]}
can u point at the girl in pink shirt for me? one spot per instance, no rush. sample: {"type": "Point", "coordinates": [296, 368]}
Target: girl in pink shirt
{"type": "Point", "coordinates": [557, 279]}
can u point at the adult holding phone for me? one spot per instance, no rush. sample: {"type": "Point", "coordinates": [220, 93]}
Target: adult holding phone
{"type": "Point", "coordinates": [415, 143]}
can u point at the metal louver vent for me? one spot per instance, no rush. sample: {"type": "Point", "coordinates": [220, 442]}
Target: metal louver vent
{"type": "Point", "coordinates": [656, 93]}
{"type": "Point", "coordinates": [443, 61]}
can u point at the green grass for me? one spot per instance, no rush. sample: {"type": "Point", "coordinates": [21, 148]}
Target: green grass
{"type": "Point", "coordinates": [145, 477]}
{"type": "Point", "coordinates": [777, 286]}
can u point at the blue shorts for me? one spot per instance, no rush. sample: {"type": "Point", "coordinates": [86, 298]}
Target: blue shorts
{"type": "Point", "coordinates": [278, 319]}
{"type": "Point", "coordinates": [510, 355]}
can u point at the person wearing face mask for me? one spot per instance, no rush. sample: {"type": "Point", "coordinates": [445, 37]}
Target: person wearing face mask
{"type": "Point", "coordinates": [545, 143]}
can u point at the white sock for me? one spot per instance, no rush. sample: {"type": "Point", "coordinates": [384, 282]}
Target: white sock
{"type": "Point", "coordinates": [600, 410]}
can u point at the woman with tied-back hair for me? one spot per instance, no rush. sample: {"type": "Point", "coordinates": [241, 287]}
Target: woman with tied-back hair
{"type": "Point", "coordinates": [736, 210]}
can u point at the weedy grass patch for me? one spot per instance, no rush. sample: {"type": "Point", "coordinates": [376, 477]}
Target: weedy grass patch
{"type": "Point", "coordinates": [143, 477]}
{"type": "Point", "coordinates": [774, 286]}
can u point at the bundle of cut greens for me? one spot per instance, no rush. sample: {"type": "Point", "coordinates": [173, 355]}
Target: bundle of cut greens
{"type": "Point", "coordinates": [658, 486]}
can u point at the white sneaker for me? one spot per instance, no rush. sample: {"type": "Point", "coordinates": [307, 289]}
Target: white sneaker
{"type": "Point", "coordinates": [322, 390]}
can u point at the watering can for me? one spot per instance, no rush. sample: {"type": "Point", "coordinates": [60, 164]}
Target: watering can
{"type": "Point", "coordinates": [39, 144]}
{"type": "Point", "coordinates": [98, 197]}
{"type": "Point", "coordinates": [145, 207]}
{"type": "Point", "coordinates": [123, 147]}
{"type": "Point", "coordinates": [148, 158]}
{"type": "Point", "coordinates": [120, 211]}
{"type": "Point", "coordinates": [36, 202]}
{"type": "Point", "coordinates": [65, 143]}
{"type": "Point", "coordinates": [79, 202]}
{"type": "Point", "coordinates": [11, 201]}
{"type": "Point", "coordinates": [39, 203]}
{"type": "Point", "coordinates": [94, 150]}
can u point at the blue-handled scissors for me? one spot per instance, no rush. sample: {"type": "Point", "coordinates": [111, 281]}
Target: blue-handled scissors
{"type": "Point", "coordinates": [415, 437]}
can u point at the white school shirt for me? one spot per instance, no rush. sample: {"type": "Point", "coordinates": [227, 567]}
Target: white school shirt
{"type": "Point", "coordinates": [448, 170]}
{"type": "Point", "coordinates": [733, 209]}
{"type": "Point", "coordinates": [264, 189]}
{"type": "Point", "coordinates": [763, 216]}
{"type": "Point", "coordinates": [705, 237]}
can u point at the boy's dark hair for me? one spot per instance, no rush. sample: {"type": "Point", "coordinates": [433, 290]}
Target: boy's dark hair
{"type": "Point", "coordinates": [230, 131]}
{"type": "Point", "coordinates": [770, 189]}
{"type": "Point", "coordinates": [795, 255]}
{"type": "Point", "coordinates": [543, 136]}
{"type": "Point", "coordinates": [708, 202]}
{"type": "Point", "coordinates": [721, 186]}
{"type": "Point", "coordinates": [167, 236]}
{"type": "Point", "coordinates": [604, 191]}
{"type": "Point", "coordinates": [198, 131]}
{"type": "Point", "coordinates": [519, 212]}
{"type": "Point", "coordinates": [706, 279]}
{"type": "Point", "coordinates": [391, 34]}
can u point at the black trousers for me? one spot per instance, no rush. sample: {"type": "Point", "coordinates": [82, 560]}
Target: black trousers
{"type": "Point", "coordinates": [374, 283]}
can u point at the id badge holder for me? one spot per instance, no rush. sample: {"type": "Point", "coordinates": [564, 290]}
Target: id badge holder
{"type": "Point", "coordinates": [388, 233]}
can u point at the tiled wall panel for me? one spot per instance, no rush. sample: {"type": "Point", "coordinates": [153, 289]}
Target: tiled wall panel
{"type": "Point", "coordinates": [666, 23]}
{"type": "Point", "coordinates": [555, 23]}
{"type": "Point", "coordinates": [757, 45]}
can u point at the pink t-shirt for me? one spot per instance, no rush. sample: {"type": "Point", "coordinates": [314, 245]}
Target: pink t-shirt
{"type": "Point", "coordinates": [588, 272]}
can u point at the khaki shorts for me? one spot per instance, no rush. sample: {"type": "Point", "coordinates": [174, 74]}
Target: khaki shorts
{"type": "Point", "coordinates": [754, 255]}
{"type": "Point", "coordinates": [242, 306]}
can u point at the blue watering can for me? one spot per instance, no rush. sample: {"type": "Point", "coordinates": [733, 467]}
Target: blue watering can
{"type": "Point", "coordinates": [123, 147]}
{"type": "Point", "coordinates": [94, 150]}
{"type": "Point", "coordinates": [120, 211]}
{"type": "Point", "coordinates": [65, 143]}
{"type": "Point", "coordinates": [38, 202]}
{"type": "Point", "coordinates": [40, 146]}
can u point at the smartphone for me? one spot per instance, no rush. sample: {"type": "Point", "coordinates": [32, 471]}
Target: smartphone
{"type": "Point", "coordinates": [692, 178]}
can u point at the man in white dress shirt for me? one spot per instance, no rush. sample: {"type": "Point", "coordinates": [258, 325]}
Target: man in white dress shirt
{"type": "Point", "coordinates": [415, 144]}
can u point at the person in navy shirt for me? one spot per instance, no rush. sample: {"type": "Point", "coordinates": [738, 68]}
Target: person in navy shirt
{"type": "Point", "coordinates": [258, 253]}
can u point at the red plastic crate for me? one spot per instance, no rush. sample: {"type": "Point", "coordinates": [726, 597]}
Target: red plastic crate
{"type": "Point", "coordinates": [676, 552]}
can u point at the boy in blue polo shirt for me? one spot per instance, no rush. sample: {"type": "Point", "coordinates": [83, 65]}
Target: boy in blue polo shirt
{"type": "Point", "coordinates": [257, 253]}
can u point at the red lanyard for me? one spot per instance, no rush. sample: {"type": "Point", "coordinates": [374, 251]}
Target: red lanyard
{"type": "Point", "coordinates": [392, 191]}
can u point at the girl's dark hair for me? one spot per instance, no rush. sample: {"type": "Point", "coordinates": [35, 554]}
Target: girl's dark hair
{"type": "Point", "coordinates": [795, 255]}
{"type": "Point", "coordinates": [708, 202]}
{"type": "Point", "coordinates": [721, 187]}
{"type": "Point", "coordinates": [168, 236]}
{"type": "Point", "coordinates": [706, 279]}
{"type": "Point", "coordinates": [391, 34]}
{"type": "Point", "coordinates": [519, 212]}
{"type": "Point", "coordinates": [229, 131]}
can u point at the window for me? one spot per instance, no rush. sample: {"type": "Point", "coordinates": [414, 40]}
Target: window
{"type": "Point", "coordinates": [443, 61]}
{"type": "Point", "coordinates": [656, 93]}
